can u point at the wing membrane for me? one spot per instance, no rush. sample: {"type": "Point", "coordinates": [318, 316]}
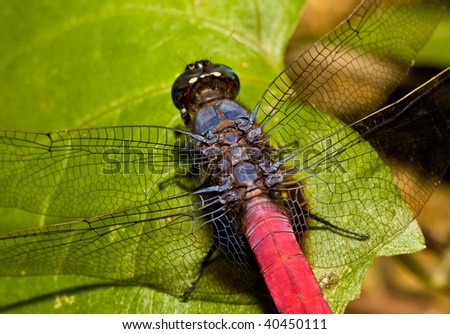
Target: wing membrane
{"type": "Point", "coordinates": [350, 71]}
{"type": "Point", "coordinates": [80, 173]}
{"type": "Point", "coordinates": [140, 245]}
{"type": "Point", "coordinates": [348, 183]}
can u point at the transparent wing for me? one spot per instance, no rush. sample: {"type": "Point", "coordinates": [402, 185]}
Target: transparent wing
{"type": "Point", "coordinates": [162, 244]}
{"type": "Point", "coordinates": [348, 184]}
{"type": "Point", "coordinates": [81, 173]}
{"type": "Point", "coordinates": [413, 137]}
{"type": "Point", "coordinates": [350, 71]}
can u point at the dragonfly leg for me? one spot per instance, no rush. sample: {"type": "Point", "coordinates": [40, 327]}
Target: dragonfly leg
{"type": "Point", "coordinates": [205, 261]}
{"type": "Point", "coordinates": [352, 234]}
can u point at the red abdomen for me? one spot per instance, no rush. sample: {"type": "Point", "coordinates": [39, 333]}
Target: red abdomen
{"type": "Point", "coordinates": [287, 274]}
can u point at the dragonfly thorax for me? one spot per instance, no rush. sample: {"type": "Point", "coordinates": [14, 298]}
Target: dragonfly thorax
{"type": "Point", "coordinates": [224, 114]}
{"type": "Point", "coordinates": [236, 155]}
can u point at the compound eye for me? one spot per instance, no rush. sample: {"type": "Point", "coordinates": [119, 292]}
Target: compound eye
{"type": "Point", "coordinates": [228, 76]}
{"type": "Point", "coordinates": [183, 85]}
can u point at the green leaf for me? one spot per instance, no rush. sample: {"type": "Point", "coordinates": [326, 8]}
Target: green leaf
{"type": "Point", "coordinates": [106, 62]}
{"type": "Point", "coordinates": [102, 63]}
{"type": "Point", "coordinates": [411, 240]}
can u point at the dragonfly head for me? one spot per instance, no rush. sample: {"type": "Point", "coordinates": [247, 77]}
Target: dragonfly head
{"type": "Point", "coordinates": [203, 82]}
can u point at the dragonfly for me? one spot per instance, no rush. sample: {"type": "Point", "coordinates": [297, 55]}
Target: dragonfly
{"type": "Point", "coordinates": [325, 182]}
